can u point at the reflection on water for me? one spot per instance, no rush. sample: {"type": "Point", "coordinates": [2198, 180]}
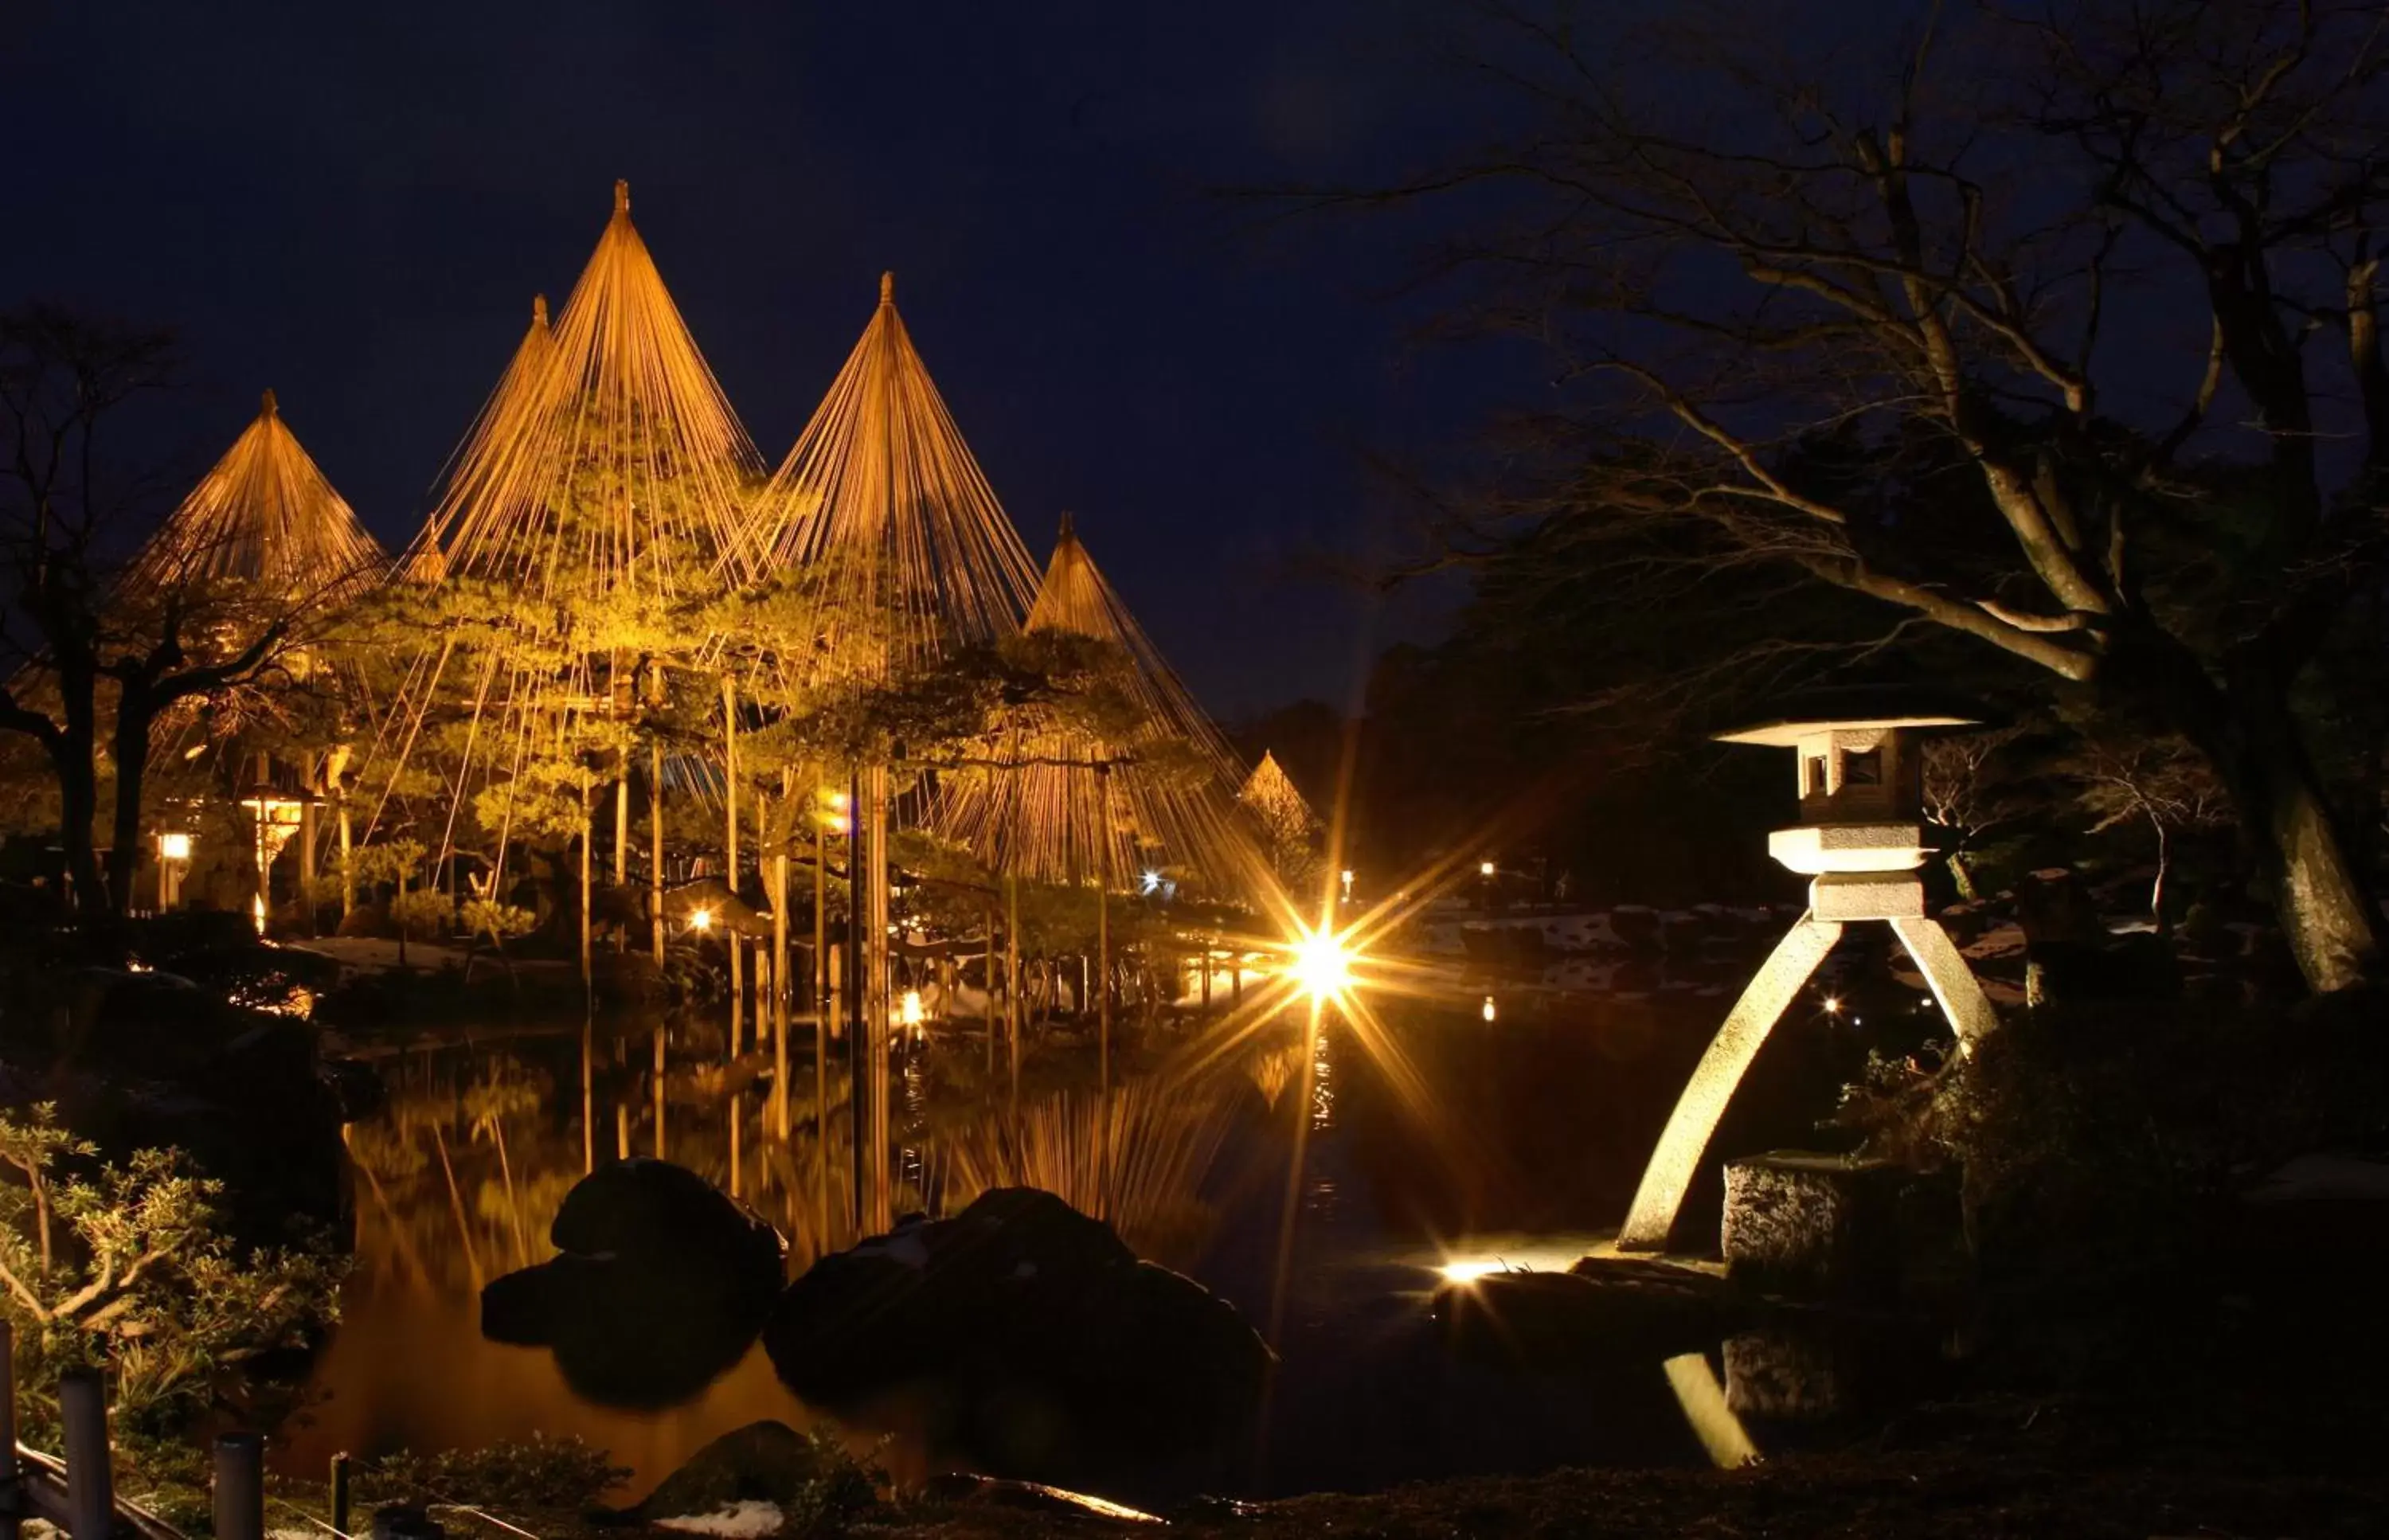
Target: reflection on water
{"type": "Point", "coordinates": [1529, 1149]}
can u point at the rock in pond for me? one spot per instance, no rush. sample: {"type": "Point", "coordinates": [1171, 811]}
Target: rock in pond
{"type": "Point", "coordinates": [662, 1285]}
{"type": "Point", "coordinates": [764, 1462]}
{"type": "Point", "coordinates": [1050, 1345]}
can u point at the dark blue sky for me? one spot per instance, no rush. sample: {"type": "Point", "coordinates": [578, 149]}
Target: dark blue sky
{"type": "Point", "coordinates": [354, 205]}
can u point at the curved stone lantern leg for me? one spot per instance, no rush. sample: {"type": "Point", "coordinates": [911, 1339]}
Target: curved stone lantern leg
{"type": "Point", "coordinates": [1763, 1002]}
{"type": "Point", "coordinates": [1960, 994]}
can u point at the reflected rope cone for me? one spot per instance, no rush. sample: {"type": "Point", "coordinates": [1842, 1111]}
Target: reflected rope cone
{"type": "Point", "coordinates": [1163, 1140]}
{"type": "Point", "coordinates": [1034, 808]}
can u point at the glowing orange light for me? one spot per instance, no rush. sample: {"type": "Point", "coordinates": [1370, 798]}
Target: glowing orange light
{"type": "Point", "coordinates": [1321, 965]}
{"type": "Point", "coordinates": [1471, 1270]}
{"type": "Point", "coordinates": [174, 847]}
{"type": "Point", "coordinates": [701, 921]}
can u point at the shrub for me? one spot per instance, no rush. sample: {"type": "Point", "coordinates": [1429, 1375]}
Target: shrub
{"type": "Point", "coordinates": [127, 1267]}
{"type": "Point", "coordinates": [536, 1473]}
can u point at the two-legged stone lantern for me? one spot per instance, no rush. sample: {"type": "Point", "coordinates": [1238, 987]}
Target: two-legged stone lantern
{"type": "Point", "coordinates": [1860, 839]}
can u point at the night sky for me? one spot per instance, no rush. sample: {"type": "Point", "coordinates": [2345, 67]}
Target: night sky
{"type": "Point", "coordinates": [354, 205]}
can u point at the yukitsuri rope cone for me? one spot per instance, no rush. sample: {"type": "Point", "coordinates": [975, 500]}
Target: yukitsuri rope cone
{"type": "Point", "coordinates": [1035, 807]}
{"type": "Point", "coordinates": [597, 499]}
{"type": "Point", "coordinates": [882, 504]}
{"type": "Point", "coordinates": [262, 539]}
{"type": "Point", "coordinates": [265, 516]}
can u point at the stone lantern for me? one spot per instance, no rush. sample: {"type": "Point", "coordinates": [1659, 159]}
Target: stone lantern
{"type": "Point", "coordinates": [1857, 755]}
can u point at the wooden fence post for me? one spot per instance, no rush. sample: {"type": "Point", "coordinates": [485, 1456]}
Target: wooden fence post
{"type": "Point", "coordinates": [239, 1497]}
{"type": "Point", "coordinates": [12, 1479]}
{"type": "Point", "coordinates": [91, 1496]}
{"type": "Point", "coordinates": [340, 1493]}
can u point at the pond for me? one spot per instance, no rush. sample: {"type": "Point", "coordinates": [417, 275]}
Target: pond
{"type": "Point", "coordinates": [1436, 1137]}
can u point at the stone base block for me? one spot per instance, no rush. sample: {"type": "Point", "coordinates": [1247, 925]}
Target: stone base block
{"type": "Point", "coordinates": [1783, 1376]}
{"type": "Point", "coordinates": [1813, 1225]}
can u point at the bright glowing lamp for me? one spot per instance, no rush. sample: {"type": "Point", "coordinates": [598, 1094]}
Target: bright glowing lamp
{"type": "Point", "coordinates": [1832, 1005]}
{"type": "Point", "coordinates": [701, 921]}
{"type": "Point", "coordinates": [1321, 965]}
{"type": "Point", "coordinates": [1471, 1270]}
{"type": "Point", "coordinates": [174, 847]}
{"type": "Point", "coordinates": [1489, 1008]}
{"type": "Point", "coordinates": [912, 1008]}
{"type": "Point", "coordinates": [1485, 869]}
{"type": "Point", "coordinates": [257, 912]}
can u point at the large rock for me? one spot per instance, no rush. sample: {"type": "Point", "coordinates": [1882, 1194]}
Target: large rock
{"type": "Point", "coordinates": [762, 1462]}
{"type": "Point", "coordinates": [661, 1285]}
{"type": "Point", "coordinates": [1053, 1346]}
{"type": "Point", "coordinates": [1812, 1224]}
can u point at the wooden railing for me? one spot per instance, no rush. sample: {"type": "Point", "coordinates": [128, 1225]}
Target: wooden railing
{"type": "Point", "coordinates": [78, 1493]}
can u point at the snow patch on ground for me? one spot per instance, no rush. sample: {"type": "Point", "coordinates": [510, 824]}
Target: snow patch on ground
{"type": "Point", "coordinates": [741, 1520]}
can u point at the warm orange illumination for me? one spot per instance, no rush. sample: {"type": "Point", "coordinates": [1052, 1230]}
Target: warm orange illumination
{"type": "Point", "coordinates": [1832, 1005]}
{"type": "Point", "coordinates": [1485, 869]}
{"type": "Point", "coordinates": [1321, 965]}
{"type": "Point", "coordinates": [1490, 1012]}
{"type": "Point", "coordinates": [913, 1014]}
{"type": "Point", "coordinates": [257, 912]}
{"type": "Point", "coordinates": [701, 921]}
{"type": "Point", "coordinates": [1470, 1271]}
{"type": "Point", "coordinates": [174, 847]}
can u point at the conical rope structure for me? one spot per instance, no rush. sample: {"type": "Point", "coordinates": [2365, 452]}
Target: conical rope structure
{"type": "Point", "coordinates": [1269, 797]}
{"type": "Point", "coordinates": [264, 515]}
{"type": "Point", "coordinates": [263, 541]}
{"type": "Point", "coordinates": [596, 503]}
{"type": "Point", "coordinates": [884, 510]}
{"type": "Point", "coordinates": [1035, 806]}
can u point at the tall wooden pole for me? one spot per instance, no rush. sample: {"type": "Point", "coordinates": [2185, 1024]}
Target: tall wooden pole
{"type": "Point", "coordinates": [858, 1104]}
{"type": "Point", "coordinates": [588, 1096]}
{"type": "Point", "coordinates": [1104, 930]}
{"type": "Point", "coordinates": [780, 984]}
{"type": "Point", "coordinates": [348, 878]}
{"type": "Point", "coordinates": [821, 1000]}
{"type": "Point", "coordinates": [656, 821]}
{"type": "Point", "coordinates": [307, 832]}
{"type": "Point", "coordinates": [989, 1012]}
{"type": "Point", "coordinates": [1011, 978]}
{"type": "Point", "coordinates": [586, 972]}
{"type": "Point", "coordinates": [622, 826]}
{"type": "Point", "coordinates": [730, 847]}
{"type": "Point", "coordinates": [780, 990]}
{"type": "Point", "coordinates": [660, 1145]}
{"type": "Point", "coordinates": [879, 996]}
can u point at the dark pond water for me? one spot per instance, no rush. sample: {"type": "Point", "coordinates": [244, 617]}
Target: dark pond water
{"type": "Point", "coordinates": [1436, 1137]}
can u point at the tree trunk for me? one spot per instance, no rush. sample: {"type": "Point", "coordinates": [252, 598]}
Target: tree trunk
{"type": "Point", "coordinates": [2293, 838]}
{"type": "Point", "coordinates": [72, 756]}
{"type": "Point", "coordinates": [134, 713]}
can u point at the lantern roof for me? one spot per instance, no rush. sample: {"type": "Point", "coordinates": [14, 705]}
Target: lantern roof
{"type": "Point", "coordinates": [1858, 708]}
